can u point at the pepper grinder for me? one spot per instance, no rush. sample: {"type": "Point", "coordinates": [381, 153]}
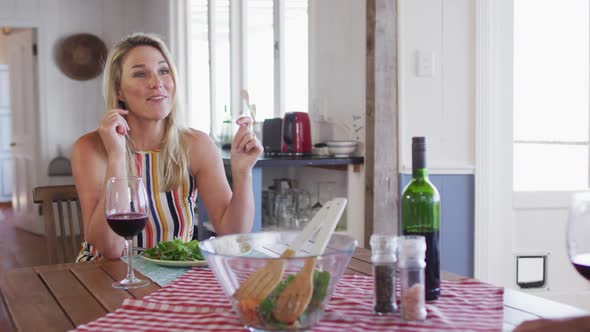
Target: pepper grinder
{"type": "Point", "coordinates": [383, 257]}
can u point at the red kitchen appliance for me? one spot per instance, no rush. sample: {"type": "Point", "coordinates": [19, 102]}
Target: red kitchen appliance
{"type": "Point", "coordinates": [296, 134]}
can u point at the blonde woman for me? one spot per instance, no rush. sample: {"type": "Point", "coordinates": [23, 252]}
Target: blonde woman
{"type": "Point", "coordinates": [140, 134]}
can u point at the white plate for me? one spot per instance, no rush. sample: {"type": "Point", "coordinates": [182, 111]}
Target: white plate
{"type": "Point", "coordinates": [175, 263]}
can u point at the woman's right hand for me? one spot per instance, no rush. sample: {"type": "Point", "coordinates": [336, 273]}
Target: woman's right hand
{"type": "Point", "coordinates": [112, 130]}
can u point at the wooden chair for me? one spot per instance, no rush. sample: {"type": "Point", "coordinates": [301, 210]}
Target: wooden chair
{"type": "Point", "coordinates": [64, 232]}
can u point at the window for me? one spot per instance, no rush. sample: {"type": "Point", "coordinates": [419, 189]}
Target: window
{"type": "Point", "coordinates": [198, 78]}
{"type": "Point", "coordinates": [260, 54]}
{"type": "Point", "coordinates": [296, 59]}
{"type": "Point", "coordinates": [551, 95]}
{"type": "Point", "coordinates": [255, 45]}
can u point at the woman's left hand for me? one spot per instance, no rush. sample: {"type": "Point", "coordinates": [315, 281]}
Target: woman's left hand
{"type": "Point", "coordinates": [245, 147]}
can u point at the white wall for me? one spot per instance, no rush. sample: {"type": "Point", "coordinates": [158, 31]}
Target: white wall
{"type": "Point", "coordinates": [337, 74]}
{"type": "Point", "coordinates": [70, 108]}
{"type": "Point", "coordinates": [3, 55]}
{"type": "Point", "coordinates": [441, 107]}
{"type": "Point", "coordinates": [337, 68]}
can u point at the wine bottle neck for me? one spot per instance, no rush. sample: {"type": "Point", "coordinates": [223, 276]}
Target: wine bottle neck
{"type": "Point", "coordinates": [420, 173]}
{"type": "Point", "coordinates": [419, 161]}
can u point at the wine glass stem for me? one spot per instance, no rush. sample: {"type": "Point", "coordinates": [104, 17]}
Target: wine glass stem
{"type": "Point", "coordinates": [129, 247]}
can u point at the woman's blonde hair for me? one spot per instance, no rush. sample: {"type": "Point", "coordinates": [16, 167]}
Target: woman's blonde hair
{"type": "Point", "coordinates": [173, 160]}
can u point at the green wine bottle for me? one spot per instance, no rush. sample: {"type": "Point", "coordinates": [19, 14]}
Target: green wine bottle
{"type": "Point", "coordinates": [420, 204]}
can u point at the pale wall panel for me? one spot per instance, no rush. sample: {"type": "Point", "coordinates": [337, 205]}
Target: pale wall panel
{"type": "Point", "coordinates": [7, 8]}
{"type": "Point", "coordinates": [420, 98]}
{"type": "Point", "coordinates": [13, 10]}
{"type": "Point", "coordinates": [69, 108]}
{"type": "Point", "coordinates": [133, 16]}
{"type": "Point", "coordinates": [49, 78]}
{"type": "Point", "coordinates": [64, 121]}
{"type": "Point", "coordinates": [19, 13]}
{"type": "Point", "coordinates": [337, 67]}
{"type": "Point", "coordinates": [25, 7]}
{"type": "Point", "coordinates": [114, 23]}
{"type": "Point", "coordinates": [156, 14]}
{"type": "Point", "coordinates": [440, 107]}
{"type": "Point", "coordinates": [458, 84]}
{"type": "Point", "coordinates": [92, 107]}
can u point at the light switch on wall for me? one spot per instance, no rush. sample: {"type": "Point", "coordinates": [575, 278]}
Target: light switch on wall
{"type": "Point", "coordinates": [425, 62]}
{"type": "Point", "coordinates": [530, 271]}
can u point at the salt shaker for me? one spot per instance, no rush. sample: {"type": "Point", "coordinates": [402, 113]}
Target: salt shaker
{"type": "Point", "coordinates": [412, 251]}
{"type": "Point", "coordinates": [383, 257]}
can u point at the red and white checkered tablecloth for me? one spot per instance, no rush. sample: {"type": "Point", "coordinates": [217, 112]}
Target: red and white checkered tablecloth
{"type": "Point", "coordinates": [195, 302]}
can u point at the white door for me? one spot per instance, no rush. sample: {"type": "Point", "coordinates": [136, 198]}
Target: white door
{"type": "Point", "coordinates": [532, 142]}
{"type": "Point", "coordinates": [5, 136]}
{"type": "Point", "coordinates": [23, 97]}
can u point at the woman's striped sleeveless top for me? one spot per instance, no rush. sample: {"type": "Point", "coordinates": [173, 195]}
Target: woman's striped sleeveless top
{"type": "Point", "coordinates": [171, 213]}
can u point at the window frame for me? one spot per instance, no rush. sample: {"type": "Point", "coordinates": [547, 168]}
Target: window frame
{"type": "Point", "coordinates": [238, 56]}
{"type": "Point", "coordinates": [544, 198]}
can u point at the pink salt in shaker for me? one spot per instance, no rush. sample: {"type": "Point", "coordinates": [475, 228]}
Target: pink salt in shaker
{"type": "Point", "coordinates": [412, 251]}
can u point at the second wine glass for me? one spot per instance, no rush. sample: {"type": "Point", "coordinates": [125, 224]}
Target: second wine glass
{"type": "Point", "coordinates": [126, 211]}
{"type": "Point", "coordinates": [578, 232]}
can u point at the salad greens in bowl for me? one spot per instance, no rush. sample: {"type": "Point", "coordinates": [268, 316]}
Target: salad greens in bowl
{"type": "Point", "coordinates": [265, 312]}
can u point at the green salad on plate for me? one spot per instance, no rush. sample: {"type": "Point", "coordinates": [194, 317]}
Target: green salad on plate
{"type": "Point", "coordinates": [175, 250]}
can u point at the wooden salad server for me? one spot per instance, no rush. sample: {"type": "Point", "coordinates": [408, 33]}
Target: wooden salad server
{"type": "Point", "coordinates": [261, 282]}
{"type": "Point", "coordinates": [295, 298]}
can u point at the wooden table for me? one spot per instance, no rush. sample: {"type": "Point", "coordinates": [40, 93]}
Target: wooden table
{"type": "Point", "coordinates": [60, 297]}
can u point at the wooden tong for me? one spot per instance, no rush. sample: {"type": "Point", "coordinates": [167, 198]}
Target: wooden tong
{"type": "Point", "coordinates": [295, 298]}
{"type": "Point", "coordinates": [261, 283]}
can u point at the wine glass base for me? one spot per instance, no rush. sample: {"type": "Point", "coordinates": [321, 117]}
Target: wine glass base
{"type": "Point", "coordinates": [130, 283]}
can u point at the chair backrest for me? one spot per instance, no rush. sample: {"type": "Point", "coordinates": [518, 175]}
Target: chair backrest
{"type": "Point", "coordinates": [63, 231]}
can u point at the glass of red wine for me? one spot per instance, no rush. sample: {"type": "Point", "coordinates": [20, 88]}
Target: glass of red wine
{"type": "Point", "coordinates": [578, 233]}
{"type": "Point", "coordinates": [126, 210]}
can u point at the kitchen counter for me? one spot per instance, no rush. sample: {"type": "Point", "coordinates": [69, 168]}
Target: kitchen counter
{"type": "Point", "coordinates": [289, 161]}
{"type": "Point", "coordinates": [265, 161]}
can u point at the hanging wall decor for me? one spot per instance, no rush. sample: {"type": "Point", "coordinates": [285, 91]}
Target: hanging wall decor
{"type": "Point", "coordinates": [81, 56]}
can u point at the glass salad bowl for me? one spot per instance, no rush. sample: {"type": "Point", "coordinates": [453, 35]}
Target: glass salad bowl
{"type": "Point", "coordinates": [256, 280]}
